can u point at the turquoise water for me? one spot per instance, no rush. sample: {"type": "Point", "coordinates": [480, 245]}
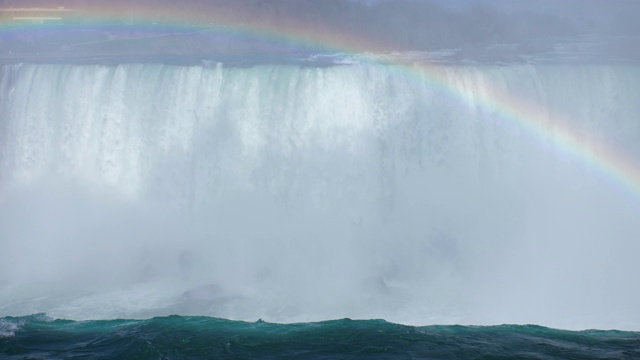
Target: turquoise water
{"type": "Point", "coordinates": [177, 337]}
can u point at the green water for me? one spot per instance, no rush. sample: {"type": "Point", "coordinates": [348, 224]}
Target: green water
{"type": "Point", "coordinates": [176, 337]}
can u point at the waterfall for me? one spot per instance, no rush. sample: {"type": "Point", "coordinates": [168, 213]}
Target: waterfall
{"type": "Point", "coordinates": [304, 193]}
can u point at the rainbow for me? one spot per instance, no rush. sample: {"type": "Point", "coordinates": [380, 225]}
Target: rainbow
{"type": "Point", "coordinates": [612, 164]}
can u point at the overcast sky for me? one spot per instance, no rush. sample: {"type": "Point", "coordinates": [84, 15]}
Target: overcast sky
{"type": "Point", "coordinates": [400, 25]}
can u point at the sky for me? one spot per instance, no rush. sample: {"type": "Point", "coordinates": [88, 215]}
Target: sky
{"type": "Point", "coordinates": [400, 25]}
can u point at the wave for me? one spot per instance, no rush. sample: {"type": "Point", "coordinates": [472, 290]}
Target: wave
{"type": "Point", "coordinates": [176, 337]}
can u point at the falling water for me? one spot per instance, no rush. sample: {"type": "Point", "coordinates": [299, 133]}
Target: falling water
{"type": "Point", "coordinates": [300, 193]}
